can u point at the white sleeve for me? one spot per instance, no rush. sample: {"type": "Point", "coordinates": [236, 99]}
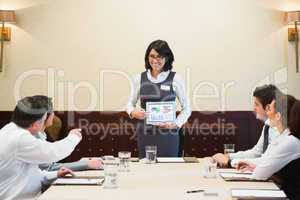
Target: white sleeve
{"type": "Point", "coordinates": [134, 94]}
{"type": "Point", "coordinates": [255, 152]}
{"type": "Point", "coordinates": [235, 161]}
{"type": "Point", "coordinates": [49, 176]}
{"type": "Point", "coordinates": [272, 161]}
{"type": "Point", "coordinates": [179, 88]}
{"type": "Point", "coordinates": [36, 151]}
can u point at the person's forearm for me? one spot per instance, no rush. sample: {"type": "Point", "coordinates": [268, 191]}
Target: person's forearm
{"type": "Point", "coordinates": [134, 95]}
{"type": "Point", "coordinates": [182, 117]}
{"type": "Point", "coordinates": [48, 177]}
{"type": "Point", "coordinates": [75, 166]}
{"type": "Point", "coordinates": [45, 166]}
{"type": "Point", "coordinates": [179, 87]}
{"type": "Point", "coordinates": [254, 152]}
{"type": "Point", "coordinates": [32, 150]}
{"type": "Point", "coordinates": [235, 161]}
{"type": "Point", "coordinates": [244, 154]}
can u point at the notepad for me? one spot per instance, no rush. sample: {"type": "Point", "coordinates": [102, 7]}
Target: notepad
{"type": "Point", "coordinates": [232, 170]}
{"type": "Point", "coordinates": [77, 181]}
{"type": "Point", "coordinates": [177, 160]}
{"type": "Point", "coordinates": [170, 160]}
{"type": "Point", "coordinates": [190, 159]}
{"type": "Point", "coordinates": [257, 193]}
{"type": "Point", "coordinates": [237, 176]}
{"type": "Point", "coordinates": [79, 175]}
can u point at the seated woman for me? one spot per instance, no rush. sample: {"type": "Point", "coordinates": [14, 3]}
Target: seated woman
{"type": "Point", "coordinates": [282, 159]}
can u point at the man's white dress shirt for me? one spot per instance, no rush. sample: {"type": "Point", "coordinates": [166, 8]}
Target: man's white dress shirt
{"type": "Point", "coordinates": [253, 155]}
{"type": "Point", "coordinates": [20, 155]}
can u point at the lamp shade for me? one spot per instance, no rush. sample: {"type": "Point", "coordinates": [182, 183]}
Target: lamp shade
{"type": "Point", "coordinates": [293, 16]}
{"type": "Point", "coordinates": [7, 16]}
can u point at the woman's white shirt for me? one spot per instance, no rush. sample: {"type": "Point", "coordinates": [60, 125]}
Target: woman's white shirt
{"type": "Point", "coordinates": [178, 87]}
{"type": "Point", "coordinates": [284, 149]}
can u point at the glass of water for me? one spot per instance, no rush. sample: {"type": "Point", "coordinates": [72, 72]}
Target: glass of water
{"type": "Point", "coordinates": [111, 173]}
{"type": "Point", "coordinates": [210, 168]}
{"type": "Point", "coordinates": [228, 148]}
{"type": "Point", "coordinates": [124, 157]}
{"type": "Point", "coordinates": [151, 154]}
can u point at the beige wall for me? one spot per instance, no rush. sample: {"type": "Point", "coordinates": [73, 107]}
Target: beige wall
{"type": "Point", "coordinates": [84, 52]}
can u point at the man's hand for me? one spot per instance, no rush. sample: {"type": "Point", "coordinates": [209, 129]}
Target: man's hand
{"type": "Point", "coordinates": [245, 166]}
{"type": "Point", "coordinates": [76, 131]}
{"type": "Point", "coordinates": [167, 125]}
{"type": "Point", "coordinates": [221, 159]}
{"type": "Point", "coordinates": [95, 163]}
{"type": "Point", "coordinates": [63, 171]}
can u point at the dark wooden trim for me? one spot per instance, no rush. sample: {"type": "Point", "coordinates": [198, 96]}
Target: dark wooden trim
{"type": "Point", "coordinates": [106, 133]}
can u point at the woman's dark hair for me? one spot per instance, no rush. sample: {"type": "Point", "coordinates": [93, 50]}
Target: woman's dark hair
{"type": "Point", "coordinates": [29, 110]}
{"type": "Point", "coordinates": [283, 105]}
{"type": "Point", "coordinates": [163, 50]}
{"type": "Point", "coordinates": [294, 119]}
{"type": "Point", "coordinates": [266, 94]}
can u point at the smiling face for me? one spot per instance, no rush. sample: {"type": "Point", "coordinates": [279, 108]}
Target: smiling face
{"type": "Point", "coordinates": [258, 109]}
{"type": "Point", "coordinates": [274, 116]}
{"type": "Point", "coordinates": [156, 61]}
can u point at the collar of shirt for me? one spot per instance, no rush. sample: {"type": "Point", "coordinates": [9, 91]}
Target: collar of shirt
{"type": "Point", "coordinates": [15, 127]}
{"type": "Point", "coordinates": [162, 76]}
{"type": "Point", "coordinates": [267, 122]}
{"type": "Point", "coordinates": [286, 132]}
{"type": "Point", "coordinates": [281, 136]}
{"type": "Point", "coordinates": [41, 135]}
{"type": "Point", "coordinates": [20, 130]}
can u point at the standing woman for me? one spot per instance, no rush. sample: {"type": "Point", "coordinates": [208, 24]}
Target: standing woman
{"type": "Point", "coordinates": [158, 84]}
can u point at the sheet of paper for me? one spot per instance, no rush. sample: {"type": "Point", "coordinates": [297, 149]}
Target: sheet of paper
{"type": "Point", "coordinates": [232, 170]}
{"type": "Point", "coordinates": [170, 160]}
{"type": "Point", "coordinates": [233, 175]}
{"type": "Point", "coordinates": [257, 193]}
{"type": "Point", "coordinates": [77, 181]}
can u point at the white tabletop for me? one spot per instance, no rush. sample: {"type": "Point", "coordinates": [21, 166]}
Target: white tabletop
{"type": "Point", "coordinates": [154, 181]}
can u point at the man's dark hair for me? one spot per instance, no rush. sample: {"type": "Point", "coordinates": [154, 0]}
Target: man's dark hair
{"type": "Point", "coordinates": [266, 94]}
{"type": "Point", "coordinates": [30, 109]}
{"type": "Point", "coordinates": [45, 102]}
{"type": "Point", "coordinates": [163, 50]}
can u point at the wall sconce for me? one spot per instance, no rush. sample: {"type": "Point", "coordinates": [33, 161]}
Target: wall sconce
{"type": "Point", "coordinates": [293, 17]}
{"type": "Point", "coordinates": [10, 17]}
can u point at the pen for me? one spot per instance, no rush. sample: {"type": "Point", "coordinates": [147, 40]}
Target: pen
{"type": "Point", "coordinates": [194, 191]}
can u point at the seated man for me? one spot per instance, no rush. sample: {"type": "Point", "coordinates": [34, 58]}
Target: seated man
{"type": "Point", "coordinates": [21, 152]}
{"type": "Point", "coordinates": [83, 164]}
{"type": "Point", "coordinates": [262, 96]}
{"type": "Point", "coordinates": [282, 158]}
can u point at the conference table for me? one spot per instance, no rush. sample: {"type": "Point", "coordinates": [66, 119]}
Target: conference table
{"type": "Point", "coordinates": [155, 181]}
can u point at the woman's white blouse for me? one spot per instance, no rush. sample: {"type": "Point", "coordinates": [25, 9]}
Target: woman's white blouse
{"type": "Point", "coordinates": [284, 149]}
{"type": "Point", "coordinates": [178, 87]}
